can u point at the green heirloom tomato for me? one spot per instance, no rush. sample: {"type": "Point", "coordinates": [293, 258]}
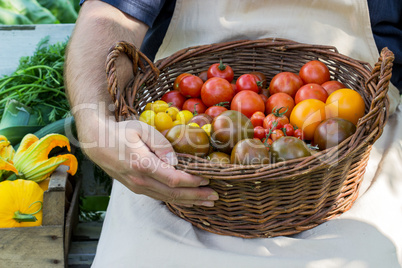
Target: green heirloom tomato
{"type": "Point", "coordinates": [189, 140]}
{"type": "Point", "coordinates": [333, 131]}
{"type": "Point", "coordinates": [249, 152]}
{"type": "Point", "coordinates": [287, 148]}
{"type": "Point", "coordinates": [228, 128]}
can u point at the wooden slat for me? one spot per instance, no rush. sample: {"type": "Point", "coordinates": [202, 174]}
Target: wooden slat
{"type": "Point", "coordinates": [32, 247]}
{"type": "Point", "coordinates": [55, 197]}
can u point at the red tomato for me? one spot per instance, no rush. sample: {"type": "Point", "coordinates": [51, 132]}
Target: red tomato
{"type": "Point", "coordinates": [285, 82]}
{"type": "Point", "coordinates": [194, 105]}
{"type": "Point", "coordinates": [248, 82]}
{"type": "Point", "coordinates": [259, 132]}
{"type": "Point", "coordinates": [257, 118]}
{"type": "Point", "coordinates": [331, 86]}
{"type": "Point", "coordinates": [276, 134]}
{"type": "Point", "coordinates": [280, 100]}
{"type": "Point", "coordinates": [314, 72]}
{"type": "Point", "coordinates": [178, 79]}
{"type": "Point", "coordinates": [267, 142]}
{"type": "Point", "coordinates": [311, 91]}
{"type": "Point", "coordinates": [263, 97]}
{"type": "Point", "coordinates": [221, 70]}
{"type": "Point", "coordinates": [247, 102]}
{"type": "Point", "coordinates": [190, 86]}
{"type": "Point", "coordinates": [216, 90]}
{"type": "Point", "coordinates": [261, 77]}
{"type": "Point", "coordinates": [299, 134]}
{"type": "Point", "coordinates": [214, 111]}
{"type": "Point", "coordinates": [234, 87]}
{"type": "Point", "coordinates": [288, 130]}
{"type": "Point", "coordinates": [175, 98]}
{"type": "Point", "coordinates": [275, 120]}
{"type": "Point", "coordinates": [203, 75]}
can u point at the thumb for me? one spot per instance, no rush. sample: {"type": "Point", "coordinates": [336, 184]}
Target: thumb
{"type": "Point", "coordinates": [161, 147]}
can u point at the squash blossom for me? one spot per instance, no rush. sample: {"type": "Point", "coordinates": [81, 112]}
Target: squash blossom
{"type": "Point", "coordinates": [31, 161]}
{"type": "Point", "coordinates": [6, 156]}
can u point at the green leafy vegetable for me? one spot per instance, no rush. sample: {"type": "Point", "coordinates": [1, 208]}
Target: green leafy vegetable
{"type": "Point", "coordinates": [38, 83]}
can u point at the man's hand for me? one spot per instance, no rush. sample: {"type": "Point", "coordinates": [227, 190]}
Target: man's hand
{"type": "Point", "coordinates": [140, 157]}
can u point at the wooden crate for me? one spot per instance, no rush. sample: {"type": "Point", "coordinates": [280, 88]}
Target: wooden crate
{"type": "Point", "coordinates": [46, 245]}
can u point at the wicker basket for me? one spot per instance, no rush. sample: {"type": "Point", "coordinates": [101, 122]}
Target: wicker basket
{"type": "Point", "coordinates": [274, 199]}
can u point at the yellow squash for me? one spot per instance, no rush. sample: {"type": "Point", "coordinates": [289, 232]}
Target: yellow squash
{"type": "Point", "coordinates": [20, 204]}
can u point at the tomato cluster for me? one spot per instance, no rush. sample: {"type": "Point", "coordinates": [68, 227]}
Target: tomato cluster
{"type": "Point", "coordinates": [230, 110]}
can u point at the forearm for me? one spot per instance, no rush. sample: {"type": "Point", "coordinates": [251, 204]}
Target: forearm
{"type": "Point", "coordinates": [98, 27]}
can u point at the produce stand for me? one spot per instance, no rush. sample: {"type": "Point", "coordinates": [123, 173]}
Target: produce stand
{"type": "Point", "coordinates": [46, 245]}
{"type": "Point", "coordinates": [50, 244]}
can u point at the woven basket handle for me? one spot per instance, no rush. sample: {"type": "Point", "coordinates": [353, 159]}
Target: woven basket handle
{"type": "Point", "coordinates": [140, 63]}
{"type": "Point", "coordinates": [381, 76]}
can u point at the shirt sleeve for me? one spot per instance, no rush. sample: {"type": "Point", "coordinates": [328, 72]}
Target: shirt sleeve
{"type": "Point", "coordinates": [386, 23]}
{"type": "Point", "coordinates": [143, 10]}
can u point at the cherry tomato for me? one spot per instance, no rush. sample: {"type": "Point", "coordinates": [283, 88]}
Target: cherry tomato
{"type": "Point", "coordinates": [214, 111]}
{"type": "Point", "coordinates": [307, 115]}
{"type": "Point", "coordinates": [174, 98]}
{"type": "Point", "coordinates": [247, 102]}
{"type": "Point", "coordinates": [288, 130]}
{"type": "Point", "coordinates": [277, 134]}
{"type": "Point", "coordinates": [311, 91]}
{"type": "Point", "coordinates": [276, 119]}
{"type": "Point", "coordinates": [314, 72]}
{"type": "Point", "coordinates": [257, 118]}
{"type": "Point", "coordinates": [267, 142]}
{"type": "Point", "coordinates": [345, 103]}
{"type": "Point", "coordinates": [194, 105]}
{"type": "Point", "coordinates": [248, 82]}
{"type": "Point", "coordinates": [331, 86]}
{"type": "Point", "coordinates": [178, 79]}
{"type": "Point", "coordinates": [216, 90]}
{"type": "Point", "coordinates": [259, 132]}
{"type": "Point", "coordinates": [234, 87]}
{"type": "Point", "coordinates": [203, 75]}
{"type": "Point", "coordinates": [280, 100]}
{"type": "Point", "coordinates": [299, 134]}
{"type": "Point", "coordinates": [285, 82]}
{"type": "Point", "coordinates": [190, 86]}
{"type": "Point", "coordinates": [221, 70]}
{"type": "Point", "coordinates": [261, 77]}
{"type": "Point", "coordinates": [163, 121]}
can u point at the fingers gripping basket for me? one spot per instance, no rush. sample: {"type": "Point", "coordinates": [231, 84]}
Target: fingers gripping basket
{"type": "Point", "coordinates": [275, 199]}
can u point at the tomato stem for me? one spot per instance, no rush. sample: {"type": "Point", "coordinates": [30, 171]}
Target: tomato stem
{"type": "Point", "coordinates": [221, 66]}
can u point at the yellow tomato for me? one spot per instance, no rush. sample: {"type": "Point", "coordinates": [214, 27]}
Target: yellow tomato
{"type": "Point", "coordinates": [193, 124]}
{"type": "Point", "coordinates": [148, 106]}
{"type": "Point", "coordinates": [177, 122]}
{"type": "Point", "coordinates": [345, 103]}
{"type": "Point", "coordinates": [307, 115]}
{"type": "Point", "coordinates": [159, 106]}
{"type": "Point", "coordinates": [148, 116]}
{"type": "Point", "coordinates": [172, 112]}
{"type": "Point", "coordinates": [184, 116]}
{"type": "Point", "coordinates": [163, 121]}
{"type": "Point", "coordinates": [207, 128]}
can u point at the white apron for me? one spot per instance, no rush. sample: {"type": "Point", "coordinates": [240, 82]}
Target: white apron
{"type": "Point", "coordinates": [140, 232]}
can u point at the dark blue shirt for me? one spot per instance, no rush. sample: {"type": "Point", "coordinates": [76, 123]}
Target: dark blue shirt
{"type": "Point", "coordinates": [385, 16]}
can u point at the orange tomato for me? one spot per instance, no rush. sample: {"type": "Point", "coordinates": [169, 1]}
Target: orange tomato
{"type": "Point", "coordinates": [345, 103]}
{"type": "Point", "coordinates": [307, 115]}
